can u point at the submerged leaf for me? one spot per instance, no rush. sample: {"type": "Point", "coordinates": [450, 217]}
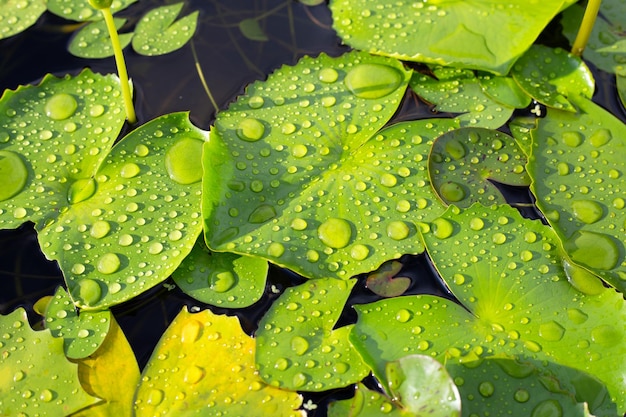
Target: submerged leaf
{"type": "Point", "coordinates": [252, 30]}
{"type": "Point", "coordinates": [18, 15]}
{"type": "Point", "coordinates": [221, 381]}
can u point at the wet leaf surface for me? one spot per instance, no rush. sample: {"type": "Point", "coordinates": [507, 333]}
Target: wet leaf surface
{"type": "Point", "coordinates": [93, 40]}
{"type": "Point", "coordinates": [19, 15]}
{"type": "Point", "coordinates": [81, 11]}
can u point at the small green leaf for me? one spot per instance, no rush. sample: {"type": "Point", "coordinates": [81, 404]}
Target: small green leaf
{"type": "Point", "coordinates": [36, 377]}
{"type": "Point", "coordinates": [158, 32]}
{"type": "Point", "coordinates": [82, 333]}
{"type": "Point", "coordinates": [384, 282]}
{"type": "Point", "coordinates": [93, 40]}
{"type": "Point", "coordinates": [81, 10]}
{"type": "Point", "coordinates": [222, 380]}
{"type": "Point", "coordinates": [18, 15]}
{"type": "Point", "coordinates": [252, 30]}
{"type": "Point", "coordinates": [504, 90]}
{"type": "Point", "coordinates": [464, 162]}
{"type": "Point", "coordinates": [365, 403]}
{"type": "Point", "coordinates": [551, 75]}
{"type": "Point", "coordinates": [221, 278]}
{"type": "Point", "coordinates": [297, 345]}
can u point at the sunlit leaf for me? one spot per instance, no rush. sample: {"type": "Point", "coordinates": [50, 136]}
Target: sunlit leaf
{"type": "Point", "coordinates": [112, 374]}
{"type": "Point", "coordinates": [459, 91]}
{"type": "Point", "coordinates": [252, 30]}
{"type": "Point", "coordinates": [478, 34]}
{"type": "Point", "coordinates": [508, 274]}
{"type": "Point", "coordinates": [464, 162]}
{"type": "Point", "coordinates": [551, 75]}
{"type": "Point", "coordinates": [36, 377]}
{"type": "Point", "coordinates": [221, 278]}
{"type": "Point", "coordinates": [577, 167]}
{"type": "Point", "coordinates": [93, 40]}
{"type": "Point", "coordinates": [222, 380]}
{"type": "Point", "coordinates": [158, 32]}
{"type": "Point", "coordinates": [81, 10]}
{"type": "Point", "coordinates": [297, 345]}
{"type": "Point", "coordinates": [82, 333]}
{"type": "Point", "coordinates": [18, 15]}
{"type": "Point", "coordinates": [365, 403]}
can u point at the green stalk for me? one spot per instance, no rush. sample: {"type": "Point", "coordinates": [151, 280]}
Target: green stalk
{"type": "Point", "coordinates": [591, 13]}
{"type": "Point", "coordinates": [105, 7]}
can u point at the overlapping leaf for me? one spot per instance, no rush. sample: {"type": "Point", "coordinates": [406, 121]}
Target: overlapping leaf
{"type": "Point", "coordinates": [577, 167]}
{"type": "Point", "coordinates": [508, 274]}
{"type": "Point", "coordinates": [18, 15]}
{"type": "Point", "coordinates": [81, 10]}
{"type": "Point", "coordinates": [93, 40]}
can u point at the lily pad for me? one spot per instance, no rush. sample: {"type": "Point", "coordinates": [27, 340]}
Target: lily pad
{"type": "Point", "coordinates": [36, 377]}
{"type": "Point", "coordinates": [81, 10]}
{"type": "Point", "coordinates": [464, 162]}
{"type": "Point", "coordinates": [307, 180]}
{"type": "Point", "coordinates": [251, 29]}
{"type": "Point", "coordinates": [384, 281]}
{"type": "Point", "coordinates": [504, 90]}
{"type": "Point", "coordinates": [551, 75]}
{"type": "Point", "coordinates": [474, 34]}
{"type": "Point", "coordinates": [82, 333]}
{"type": "Point", "coordinates": [221, 278]}
{"type": "Point", "coordinates": [365, 403]}
{"type": "Point", "coordinates": [222, 380]}
{"type": "Point", "coordinates": [18, 15]}
{"type": "Point", "coordinates": [93, 40]}
{"type": "Point", "coordinates": [516, 300]}
{"type": "Point", "coordinates": [158, 32]}
{"type": "Point", "coordinates": [579, 179]}
{"type": "Point", "coordinates": [460, 91]}
{"type": "Point", "coordinates": [297, 345]}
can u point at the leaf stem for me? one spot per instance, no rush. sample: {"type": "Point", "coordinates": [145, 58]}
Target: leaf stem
{"type": "Point", "coordinates": [591, 12]}
{"type": "Point", "coordinates": [121, 65]}
{"type": "Point", "coordinates": [201, 75]}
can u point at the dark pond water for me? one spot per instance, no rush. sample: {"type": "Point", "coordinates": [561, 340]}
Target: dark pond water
{"type": "Point", "coordinates": [229, 61]}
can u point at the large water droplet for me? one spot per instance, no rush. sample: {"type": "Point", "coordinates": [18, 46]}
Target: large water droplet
{"type": "Point", "coordinates": [455, 149]}
{"type": "Point", "coordinates": [129, 170]}
{"type": "Point", "coordinates": [587, 211]}
{"type": "Point", "coordinates": [155, 397]}
{"type": "Point", "coordinates": [359, 252]}
{"type": "Point", "coordinates": [81, 190]}
{"type": "Point", "coordinates": [60, 106]}
{"type": "Point", "coordinates": [372, 81]}
{"type": "Point", "coordinates": [13, 174]}
{"type": "Point", "coordinates": [335, 233]}
{"type": "Point", "coordinates": [261, 214]}
{"type": "Point", "coordinates": [250, 130]}
{"type": "Point", "coordinates": [595, 250]}
{"type": "Point", "coordinates": [183, 161]}
{"type": "Point", "coordinates": [299, 345]}
{"type": "Point", "coordinates": [600, 137]}
{"type": "Point", "coordinates": [547, 408]}
{"type": "Point", "coordinates": [398, 230]}
{"type": "Point", "coordinates": [403, 315]}
{"type": "Point", "coordinates": [193, 374]}
{"type": "Point", "coordinates": [100, 229]}
{"type": "Point", "coordinates": [109, 263]}
{"type": "Point", "coordinates": [89, 291]}
{"type": "Point", "coordinates": [583, 280]}
{"type": "Point", "coordinates": [452, 191]}
{"type": "Point", "coordinates": [328, 75]}
{"type": "Point", "coordinates": [606, 335]}
{"type": "Point", "coordinates": [486, 389]}
{"type": "Point", "coordinates": [442, 228]}
{"type": "Point", "coordinates": [191, 331]}
{"type": "Point", "coordinates": [551, 331]}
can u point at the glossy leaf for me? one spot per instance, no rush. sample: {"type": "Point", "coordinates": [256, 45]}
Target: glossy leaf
{"type": "Point", "coordinates": [365, 403]}
{"type": "Point", "coordinates": [158, 32]}
{"type": "Point", "coordinates": [221, 381]}
{"type": "Point", "coordinates": [93, 40]}
{"type": "Point", "coordinates": [81, 10]}
{"type": "Point", "coordinates": [459, 91]}
{"type": "Point", "coordinates": [36, 377]}
{"type": "Point", "coordinates": [297, 345]}
{"type": "Point", "coordinates": [252, 30]}
{"type": "Point", "coordinates": [509, 276]}
{"type": "Point", "coordinates": [551, 75]}
{"type": "Point", "coordinates": [82, 333]}
{"type": "Point", "coordinates": [476, 34]}
{"type": "Point", "coordinates": [221, 278]}
{"type": "Point", "coordinates": [384, 281]}
{"type": "Point", "coordinates": [504, 90]}
{"type": "Point", "coordinates": [307, 179]}
{"type": "Point", "coordinates": [112, 374]}
{"type": "Point", "coordinates": [18, 15]}
{"type": "Point", "coordinates": [580, 183]}
{"type": "Point", "coordinates": [464, 162]}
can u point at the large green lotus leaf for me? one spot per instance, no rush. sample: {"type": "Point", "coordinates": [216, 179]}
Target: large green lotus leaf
{"type": "Point", "coordinates": [18, 15]}
{"type": "Point", "coordinates": [460, 91]}
{"type": "Point", "coordinates": [82, 333]}
{"type": "Point", "coordinates": [81, 10]}
{"type": "Point", "coordinates": [36, 377]}
{"type": "Point", "coordinates": [464, 162]}
{"type": "Point", "coordinates": [297, 345]}
{"type": "Point", "coordinates": [308, 181]}
{"type": "Point", "coordinates": [204, 365]}
{"type": "Point", "coordinates": [158, 32]}
{"type": "Point", "coordinates": [112, 374]}
{"type": "Point", "coordinates": [222, 279]}
{"type": "Point", "coordinates": [577, 167]}
{"type": "Point", "coordinates": [608, 30]}
{"type": "Point", "coordinates": [551, 75]}
{"type": "Point", "coordinates": [507, 272]}
{"type": "Point", "coordinates": [93, 40]}
{"type": "Point", "coordinates": [365, 403]}
{"type": "Point", "coordinates": [56, 134]}
{"type": "Point", "coordinates": [478, 34]}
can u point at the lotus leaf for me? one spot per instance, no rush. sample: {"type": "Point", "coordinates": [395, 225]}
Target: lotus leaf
{"type": "Point", "coordinates": [297, 344]}
{"type": "Point", "coordinates": [81, 10]}
{"type": "Point", "coordinates": [365, 403]}
{"type": "Point", "coordinates": [578, 174]}
{"type": "Point", "coordinates": [93, 40]}
{"type": "Point", "coordinates": [19, 15]}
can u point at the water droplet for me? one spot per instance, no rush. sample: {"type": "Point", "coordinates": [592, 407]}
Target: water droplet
{"type": "Point", "coordinates": [335, 233]}
{"type": "Point", "coordinates": [183, 161]}
{"type": "Point", "coordinates": [563, 168]}
{"type": "Point", "coordinates": [256, 102]}
{"type": "Point", "coordinates": [288, 128]}
{"type": "Point", "coordinates": [276, 249]}
{"type": "Point", "coordinates": [115, 287]}
{"type": "Point", "coordinates": [60, 106]}
{"type": "Point", "coordinates": [328, 75]}
{"type": "Point", "coordinates": [129, 170]}
{"type": "Point", "coordinates": [551, 331]}
{"type": "Point", "coordinates": [359, 252]}
{"type": "Point", "coordinates": [521, 395]}
{"type": "Point", "coordinates": [312, 255]}
{"type": "Point", "coordinates": [451, 191]}
{"type": "Point", "coordinates": [587, 211]}
{"type": "Point", "coordinates": [403, 315]}
{"type": "Point", "coordinates": [583, 280]}
{"type": "Point", "coordinates": [300, 379]}
{"type": "Point", "coordinates": [261, 214]}
{"type": "Point", "coordinates": [341, 367]}
{"type": "Point", "coordinates": [193, 374]}
{"type": "Point", "coordinates": [372, 81]}
{"type": "Point", "coordinates": [398, 230]}
{"type": "Point", "coordinates": [499, 238]}
{"type": "Point", "coordinates": [88, 290]}
{"type": "Point", "coordinates": [299, 345]}
{"type": "Point", "coordinates": [125, 240]}
{"type": "Point", "coordinates": [547, 408]}
{"type": "Point", "coordinates": [46, 395]}
{"type": "Point", "coordinates": [442, 228]}
{"type": "Point", "coordinates": [250, 130]}
{"type": "Point", "coordinates": [141, 150]}
{"type": "Point", "coordinates": [388, 180]}
{"type": "Point", "coordinates": [82, 333]}
{"type": "Point", "coordinates": [572, 139]}
{"type": "Point", "coordinates": [109, 263]}
{"type": "Point", "coordinates": [403, 206]}
{"type": "Point", "coordinates": [281, 364]}
{"type": "Point", "coordinates": [532, 346]}
{"type": "Point", "coordinates": [455, 149]}
{"type": "Point", "coordinates": [486, 389]}
{"type": "Point", "coordinates": [155, 397]}
{"type": "Point", "coordinates": [81, 190]}
{"type": "Point", "coordinates": [606, 335]}
{"type": "Point", "coordinates": [600, 137]}
{"type": "Point", "coordinates": [299, 151]}
{"type": "Point", "coordinates": [191, 331]}
{"type": "Point", "coordinates": [222, 281]}
{"type": "Point", "coordinates": [595, 250]}
{"type": "Point", "coordinates": [13, 174]}
{"type": "Point", "coordinates": [100, 229]}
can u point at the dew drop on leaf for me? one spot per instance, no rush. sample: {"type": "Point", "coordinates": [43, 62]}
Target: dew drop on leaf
{"type": "Point", "coordinates": [372, 81]}
{"type": "Point", "coordinates": [299, 345]}
{"type": "Point", "coordinates": [130, 170]}
{"type": "Point", "coordinates": [109, 263]}
{"type": "Point", "coordinates": [100, 229]}
{"type": "Point", "coordinates": [88, 291]}
{"type": "Point", "coordinates": [335, 233]}
{"type": "Point", "coordinates": [595, 250]}
{"type": "Point", "coordinates": [250, 130]}
{"type": "Point", "coordinates": [583, 280]}
{"type": "Point", "coordinates": [547, 408]}
{"type": "Point", "coordinates": [359, 252]}
{"type": "Point", "coordinates": [600, 137]}
{"type": "Point", "coordinates": [328, 75]}
{"type": "Point", "coordinates": [587, 211]}
{"type": "Point", "coordinates": [452, 191]}
{"type": "Point", "coordinates": [191, 331]}
{"type": "Point", "coordinates": [183, 161]}
{"type": "Point", "coordinates": [60, 106]}
{"type": "Point", "coordinates": [551, 331]}
{"type": "Point", "coordinates": [398, 230]}
{"type": "Point", "coordinates": [13, 174]}
{"type": "Point", "coordinates": [81, 190]}
{"type": "Point", "coordinates": [442, 228]}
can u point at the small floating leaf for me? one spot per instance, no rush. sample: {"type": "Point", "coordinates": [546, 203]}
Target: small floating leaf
{"type": "Point", "coordinates": [158, 32]}
{"type": "Point", "coordinates": [18, 15]}
{"type": "Point", "coordinates": [384, 281]}
{"type": "Point", "coordinates": [252, 30]}
{"type": "Point", "coordinates": [297, 345]}
{"type": "Point", "coordinates": [365, 403]}
{"type": "Point", "coordinates": [223, 379]}
{"type": "Point", "coordinates": [93, 40]}
{"type": "Point", "coordinates": [81, 10]}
